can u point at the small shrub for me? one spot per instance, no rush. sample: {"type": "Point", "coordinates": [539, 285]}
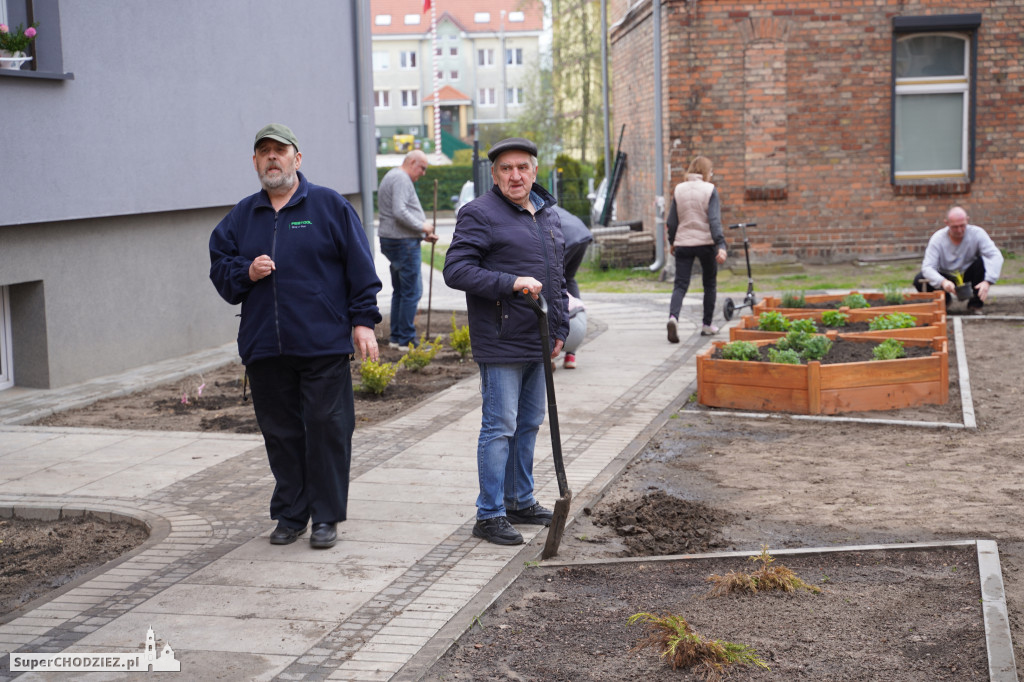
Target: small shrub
{"type": "Point", "coordinates": [816, 347]}
{"type": "Point", "coordinates": [684, 648]}
{"type": "Point", "coordinates": [893, 321]}
{"type": "Point", "coordinates": [793, 299]}
{"type": "Point", "coordinates": [855, 301]}
{"type": "Point", "coordinates": [784, 357]}
{"type": "Point", "coordinates": [794, 340]}
{"type": "Point", "coordinates": [376, 375]}
{"type": "Point", "coordinates": [890, 349]}
{"type": "Point", "coordinates": [460, 339]}
{"type": "Point", "coordinates": [772, 321]}
{"type": "Point", "coordinates": [805, 325]}
{"type": "Point", "coordinates": [740, 350]}
{"type": "Point", "coordinates": [834, 318]}
{"type": "Point", "coordinates": [765, 578]}
{"type": "Point", "coordinates": [892, 294]}
{"type": "Point", "coordinates": [421, 355]}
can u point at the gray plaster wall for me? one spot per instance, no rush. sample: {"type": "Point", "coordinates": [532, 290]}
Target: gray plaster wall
{"type": "Point", "coordinates": [114, 179]}
{"type": "Point", "coordinates": [95, 297]}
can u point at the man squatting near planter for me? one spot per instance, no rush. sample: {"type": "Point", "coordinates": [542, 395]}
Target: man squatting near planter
{"type": "Point", "coordinates": [964, 248]}
{"type": "Point", "coordinates": [506, 241]}
{"type": "Point", "coordinates": [304, 311]}
{"type": "Point", "coordinates": [402, 226]}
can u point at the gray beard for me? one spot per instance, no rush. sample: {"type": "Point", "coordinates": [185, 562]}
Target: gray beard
{"type": "Point", "coordinates": [282, 181]}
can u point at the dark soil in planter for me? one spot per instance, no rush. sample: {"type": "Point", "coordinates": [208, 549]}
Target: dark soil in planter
{"type": "Point", "coordinates": [844, 351]}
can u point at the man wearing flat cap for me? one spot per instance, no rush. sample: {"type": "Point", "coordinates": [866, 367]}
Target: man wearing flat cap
{"type": "Point", "coordinates": [295, 256]}
{"type": "Point", "coordinates": [509, 241]}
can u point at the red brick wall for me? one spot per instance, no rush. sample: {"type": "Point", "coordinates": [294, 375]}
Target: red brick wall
{"type": "Point", "coordinates": [792, 102]}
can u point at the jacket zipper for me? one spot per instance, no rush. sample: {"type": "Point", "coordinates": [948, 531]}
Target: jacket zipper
{"type": "Point", "coordinates": [273, 283]}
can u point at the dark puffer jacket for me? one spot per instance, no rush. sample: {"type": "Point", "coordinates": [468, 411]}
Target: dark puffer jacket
{"type": "Point", "coordinates": [495, 242]}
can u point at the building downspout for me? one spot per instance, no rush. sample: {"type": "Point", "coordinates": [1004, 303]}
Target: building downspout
{"type": "Point", "coordinates": [364, 123]}
{"type": "Point", "coordinates": [659, 163]}
{"type": "Point", "coordinates": [604, 90]}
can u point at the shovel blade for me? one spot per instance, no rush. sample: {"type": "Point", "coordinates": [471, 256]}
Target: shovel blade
{"type": "Point", "coordinates": [558, 519]}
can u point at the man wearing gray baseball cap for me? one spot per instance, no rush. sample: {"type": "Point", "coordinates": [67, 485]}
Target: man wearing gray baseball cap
{"type": "Point", "coordinates": [304, 312]}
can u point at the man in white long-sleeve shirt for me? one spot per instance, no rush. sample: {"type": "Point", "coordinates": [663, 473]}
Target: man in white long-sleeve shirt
{"type": "Point", "coordinates": [402, 226]}
{"type": "Point", "coordinates": [960, 248]}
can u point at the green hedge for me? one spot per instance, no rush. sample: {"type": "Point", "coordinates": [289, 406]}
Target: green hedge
{"type": "Point", "coordinates": [450, 180]}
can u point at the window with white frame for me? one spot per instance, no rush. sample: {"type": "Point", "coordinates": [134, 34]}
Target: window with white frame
{"type": "Point", "coordinates": [481, 17]}
{"type": "Point", "coordinates": [412, 19]}
{"type": "Point", "coordinates": [485, 57]}
{"type": "Point", "coordinates": [381, 99]}
{"type": "Point", "coordinates": [933, 97]}
{"type": "Point", "coordinates": [514, 96]}
{"type": "Point", "coordinates": [932, 105]}
{"type": "Point", "coordinates": [485, 97]}
{"type": "Point", "coordinates": [516, 17]}
{"type": "Point", "coordinates": [381, 61]}
{"type": "Point", "coordinates": [453, 75]}
{"type": "Point", "coordinates": [407, 59]}
{"type": "Point", "coordinates": [382, 20]}
{"type": "Point", "coordinates": [410, 99]}
{"type": "Point", "coordinates": [514, 56]}
{"type": "Point", "coordinates": [453, 51]}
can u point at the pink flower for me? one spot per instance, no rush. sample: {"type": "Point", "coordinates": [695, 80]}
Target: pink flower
{"type": "Point", "coordinates": [3, 28]}
{"type": "Point", "coordinates": [30, 32]}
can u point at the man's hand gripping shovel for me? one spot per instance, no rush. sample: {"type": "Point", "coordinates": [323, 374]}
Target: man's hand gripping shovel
{"type": "Point", "coordinates": [561, 512]}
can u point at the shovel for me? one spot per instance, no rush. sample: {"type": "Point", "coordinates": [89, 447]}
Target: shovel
{"type": "Point", "coordinates": [561, 513]}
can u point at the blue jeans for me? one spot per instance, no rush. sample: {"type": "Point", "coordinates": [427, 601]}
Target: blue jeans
{"type": "Point", "coordinates": [407, 286]}
{"type": "Point", "coordinates": [514, 399]}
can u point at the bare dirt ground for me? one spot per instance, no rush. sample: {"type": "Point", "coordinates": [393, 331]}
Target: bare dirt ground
{"type": "Point", "coordinates": [711, 482]}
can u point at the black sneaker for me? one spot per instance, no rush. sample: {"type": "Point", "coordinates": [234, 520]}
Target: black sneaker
{"type": "Point", "coordinates": [535, 515]}
{"type": "Point", "coordinates": [497, 530]}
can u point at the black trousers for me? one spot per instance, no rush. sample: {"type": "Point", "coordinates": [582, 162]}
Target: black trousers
{"type": "Point", "coordinates": [573, 259]}
{"type": "Point", "coordinates": [305, 409]}
{"type": "Point", "coordinates": [975, 274]}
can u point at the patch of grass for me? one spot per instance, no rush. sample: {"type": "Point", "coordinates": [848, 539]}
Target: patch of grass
{"type": "Point", "coordinates": [440, 250]}
{"type": "Point", "coordinates": [765, 578]}
{"type": "Point", "coordinates": [683, 648]}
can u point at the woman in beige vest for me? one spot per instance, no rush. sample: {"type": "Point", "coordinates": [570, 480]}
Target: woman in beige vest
{"type": "Point", "coordinates": [695, 231]}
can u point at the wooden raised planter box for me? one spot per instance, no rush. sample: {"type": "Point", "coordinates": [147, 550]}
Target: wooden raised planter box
{"type": "Point", "coordinates": [919, 301]}
{"type": "Point", "coordinates": [930, 324]}
{"type": "Point", "coordinates": [815, 388]}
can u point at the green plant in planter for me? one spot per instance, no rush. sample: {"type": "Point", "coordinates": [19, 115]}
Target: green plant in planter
{"type": "Point", "coordinates": [740, 350]}
{"type": "Point", "coordinates": [855, 301]}
{"type": "Point", "coordinates": [772, 321]}
{"type": "Point", "coordinates": [783, 357]}
{"type": "Point", "coordinates": [805, 325]}
{"type": "Point", "coordinates": [890, 349]}
{"type": "Point", "coordinates": [682, 647]}
{"type": "Point", "coordinates": [794, 340]}
{"type": "Point", "coordinates": [892, 321]}
{"type": "Point", "coordinates": [957, 277]}
{"type": "Point", "coordinates": [421, 355]}
{"type": "Point", "coordinates": [834, 318]}
{"type": "Point", "coordinates": [816, 347]}
{"type": "Point", "coordinates": [793, 299]}
{"type": "Point", "coordinates": [892, 294]}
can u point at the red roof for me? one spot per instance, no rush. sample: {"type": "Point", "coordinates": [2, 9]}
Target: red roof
{"type": "Point", "coordinates": [448, 95]}
{"type": "Point", "coordinates": [462, 12]}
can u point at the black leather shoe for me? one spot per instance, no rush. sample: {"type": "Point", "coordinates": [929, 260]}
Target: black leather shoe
{"type": "Point", "coordinates": [283, 535]}
{"type": "Point", "coordinates": [534, 515]}
{"type": "Point", "coordinates": [324, 535]}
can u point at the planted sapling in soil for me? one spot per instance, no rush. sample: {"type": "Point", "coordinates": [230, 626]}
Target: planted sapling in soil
{"type": "Point", "coordinates": [765, 578]}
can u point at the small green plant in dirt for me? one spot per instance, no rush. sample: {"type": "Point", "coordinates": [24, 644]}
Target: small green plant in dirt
{"type": "Point", "coordinates": [376, 376]}
{"type": "Point", "coordinates": [855, 301]}
{"type": "Point", "coordinates": [793, 299]}
{"type": "Point", "coordinates": [421, 355]}
{"type": "Point", "coordinates": [783, 357]}
{"type": "Point", "coordinates": [460, 339]}
{"type": "Point", "coordinates": [766, 578]}
{"type": "Point", "coordinates": [892, 294]}
{"type": "Point", "coordinates": [682, 647]}
{"type": "Point", "coordinates": [794, 340]}
{"type": "Point", "coordinates": [805, 325]}
{"type": "Point", "coordinates": [890, 349]}
{"type": "Point", "coordinates": [834, 318]}
{"type": "Point", "coordinates": [772, 321]}
{"type": "Point", "coordinates": [892, 321]}
{"type": "Point", "coordinates": [816, 347]}
{"type": "Point", "coordinates": [740, 350]}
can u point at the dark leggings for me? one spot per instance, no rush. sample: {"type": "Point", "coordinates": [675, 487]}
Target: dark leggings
{"type": "Point", "coordinates": [974, 275]}
{"type": "Point", "coordinates": [684, 268]}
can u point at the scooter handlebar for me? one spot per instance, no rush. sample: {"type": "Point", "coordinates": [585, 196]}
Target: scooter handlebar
{"type": "Point", "coordinates": [738, 225]}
